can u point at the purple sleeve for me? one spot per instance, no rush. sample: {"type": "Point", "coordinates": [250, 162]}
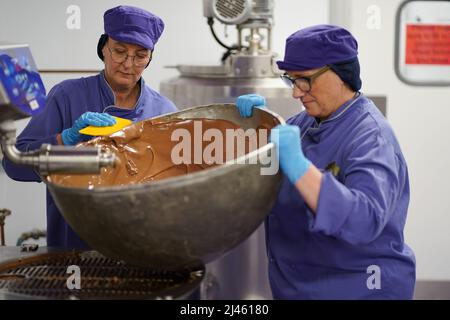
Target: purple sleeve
{"type": "Point", "coordinates": [358, 209]}
{"type": "Point", "coordinates": [42, 128]}
{"type": "Point", "coordinates": [169, 106]}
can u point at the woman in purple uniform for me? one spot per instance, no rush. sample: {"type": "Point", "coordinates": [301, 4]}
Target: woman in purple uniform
{"type": "Point", "coordinates": [126, 49]}
{"type": "Point", "coordinates": [336, 230]}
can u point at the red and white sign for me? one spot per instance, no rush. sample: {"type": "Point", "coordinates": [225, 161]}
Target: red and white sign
{"type": "Point", "coordinates": [427, 44]}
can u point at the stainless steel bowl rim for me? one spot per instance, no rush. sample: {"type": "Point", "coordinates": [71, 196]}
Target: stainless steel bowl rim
{"type": "Point", "coordinates": [177, 180]}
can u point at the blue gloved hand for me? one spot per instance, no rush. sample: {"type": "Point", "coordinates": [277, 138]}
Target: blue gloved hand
{"type": "Point", "coordinates": [71, 136]}
{"type": "Point", "coordinates": [246, 102]}
{"type": "Point", "coordinates": [292, 160]}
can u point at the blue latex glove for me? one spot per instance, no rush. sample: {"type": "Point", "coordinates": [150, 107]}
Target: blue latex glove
{"type": "Point", "coordinates": [71, 136]}
{"type": "Point", "coordinates": [292, 160]}
{"type": "Point", "coordinates": [246, 103]}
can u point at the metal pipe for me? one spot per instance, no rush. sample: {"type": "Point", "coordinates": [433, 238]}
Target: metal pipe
{"type": "Point", "coordinates": [55, 159]}
{"type": "Point", "coordinates": [269, 38]}
{"type": "Point", "coordinates": [3, 214]}
{"type": "Point", "coordinates": [239, 38]}
{"type": "Point", "coordinates": [254, 41]}
{"type": "Point", "coordinates": [17, 157]}
{"type": "Point", "coordinates": [71, 159]}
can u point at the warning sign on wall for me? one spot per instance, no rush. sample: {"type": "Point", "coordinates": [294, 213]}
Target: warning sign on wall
{"type": "Point", "coordinates": [428, 44]}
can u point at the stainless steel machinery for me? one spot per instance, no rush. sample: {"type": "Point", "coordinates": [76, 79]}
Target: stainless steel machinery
{"type": "Point", "coordinates": [247, 67]}
{"type": "Point", "coordinates": [48, 274]}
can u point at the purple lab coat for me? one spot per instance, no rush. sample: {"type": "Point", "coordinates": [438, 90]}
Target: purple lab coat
{"type": "Point", "coordinates": [353, 247]}
{"type": "Point", "coordinates": [66, 102]}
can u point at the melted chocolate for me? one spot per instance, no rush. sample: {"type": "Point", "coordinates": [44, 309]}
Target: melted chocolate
{"type": "Point", "coordinates": [144, 152]}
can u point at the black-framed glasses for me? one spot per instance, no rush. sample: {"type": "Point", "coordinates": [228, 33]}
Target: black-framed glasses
{"type": "Point", "coordinates": [120, 56]}
{"type": "Point", "coordinates": [303, 83]}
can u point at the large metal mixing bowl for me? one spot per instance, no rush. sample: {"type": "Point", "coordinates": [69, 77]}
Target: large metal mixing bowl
{"type": "Point", "coordinates": [180, 222]}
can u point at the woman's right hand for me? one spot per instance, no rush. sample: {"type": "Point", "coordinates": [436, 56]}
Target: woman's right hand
{"type": "Point", "coordinates": [72, 135]}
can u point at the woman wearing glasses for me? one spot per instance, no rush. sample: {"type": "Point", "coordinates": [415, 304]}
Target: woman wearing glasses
{"type": "Point", "coordinates": [119, 90]}
{"type": "Point", "coordinates": [336, 230]}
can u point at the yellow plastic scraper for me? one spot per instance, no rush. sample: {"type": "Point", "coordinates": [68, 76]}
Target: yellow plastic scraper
{"type": "Point", "coordinates": [106, 131]}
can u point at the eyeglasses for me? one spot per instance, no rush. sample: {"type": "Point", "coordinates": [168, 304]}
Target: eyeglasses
{"type": "Point", "coordinates": [303, 83]}
{"type": "Point", "coordinates": [120, 56]}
